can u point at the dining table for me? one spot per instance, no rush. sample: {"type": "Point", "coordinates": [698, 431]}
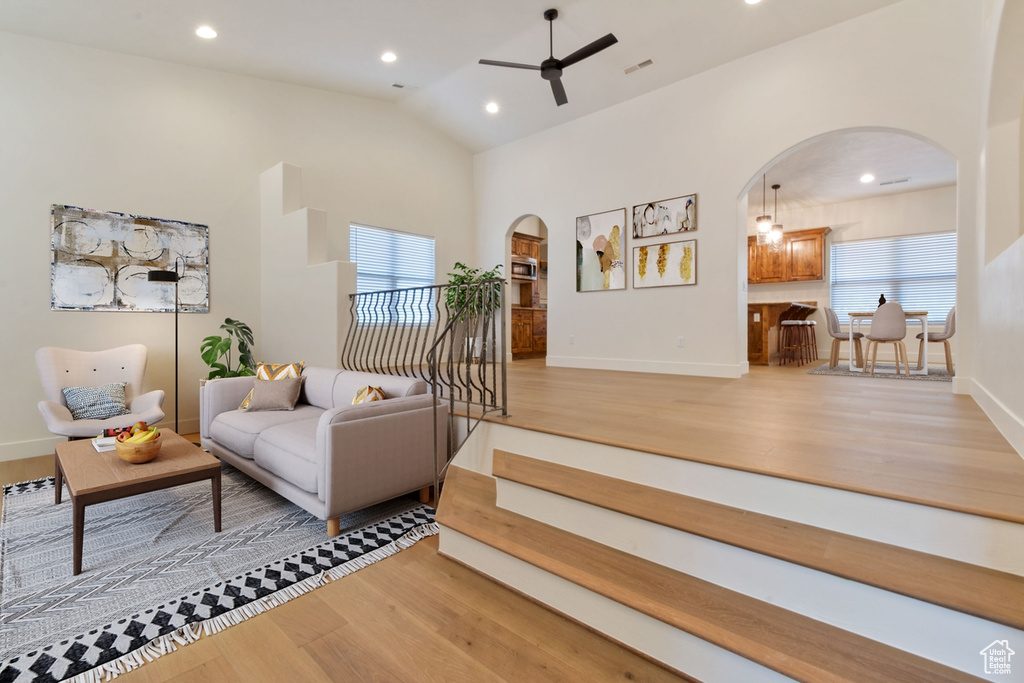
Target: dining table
{"type": "Point", "coordinates": [857, 318]}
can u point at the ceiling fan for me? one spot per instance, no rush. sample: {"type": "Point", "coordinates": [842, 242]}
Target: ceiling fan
{"type": "Point", "coordinates": [551, 68]}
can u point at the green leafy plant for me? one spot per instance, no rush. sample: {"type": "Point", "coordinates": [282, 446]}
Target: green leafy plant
{"type": "Point", "coordinates": [477, 299]}
{"type": "Point", "coordinates": [216, 351]}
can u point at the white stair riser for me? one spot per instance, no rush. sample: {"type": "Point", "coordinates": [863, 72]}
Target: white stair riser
{"type": "Point", "coordinates": [658, 640]}
{"type": "Point", "coordinates": [977, 540]}
{"type": "Point", "coordinates": [932, 632]}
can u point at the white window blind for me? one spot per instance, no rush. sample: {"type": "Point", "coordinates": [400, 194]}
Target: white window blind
{"type": "Point", "coordinates": [917, 271]}
{"type": "Point", "coordinates": [390, 260]}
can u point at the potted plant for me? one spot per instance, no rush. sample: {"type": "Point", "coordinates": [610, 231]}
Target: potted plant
{"type": "Point", "coordinates": [216, 351]}
{"type": "Point", "coordinates": [470, 301]}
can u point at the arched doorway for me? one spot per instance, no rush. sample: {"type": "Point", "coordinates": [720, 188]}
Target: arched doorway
{"type": "Point", "coordinates": [847, 186]}
{"type": "Point", "coordinates": [526, 259]}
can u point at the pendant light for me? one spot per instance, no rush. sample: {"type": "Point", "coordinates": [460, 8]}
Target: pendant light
{"type": "Point", "coordinates": [775, 231]}
{"type": "Point", "coordinates": [764, 221]}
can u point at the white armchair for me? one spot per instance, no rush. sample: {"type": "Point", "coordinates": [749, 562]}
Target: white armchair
{"type": "Point", "coordinates": [61, 368]}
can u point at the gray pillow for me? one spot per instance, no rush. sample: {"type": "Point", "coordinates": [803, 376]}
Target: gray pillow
{"type": "Point", "coordinates": [274, 394]}
{"type": "Point", "coordinates": [96, 403]}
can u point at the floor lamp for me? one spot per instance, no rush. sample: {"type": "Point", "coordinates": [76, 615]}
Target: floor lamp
{"type": "Point", "coordinates": [171, 276]}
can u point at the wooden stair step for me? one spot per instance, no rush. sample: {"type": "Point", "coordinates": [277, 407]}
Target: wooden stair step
{"type": "Point", "coordinates": [979, 591]}
{"type": "Point", "coordinates": [789, 643]}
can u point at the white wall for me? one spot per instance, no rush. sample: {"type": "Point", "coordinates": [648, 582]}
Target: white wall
{"type": "Point", "coordinates": [894, 68]}
{"type": "Point", "coordinates": [998, 383]}
{"type": "Point", "coordinates": [118, 133]}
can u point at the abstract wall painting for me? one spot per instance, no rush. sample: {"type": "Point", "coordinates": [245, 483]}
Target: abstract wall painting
{"type": "Point", "coordinates": [100, 262]}
{"type": "Point", "coordinates": [665, 265]}
{"type": "Point", "coordinates": [665, 217]}
{"type": "Point", "coordinates": [601, 251]}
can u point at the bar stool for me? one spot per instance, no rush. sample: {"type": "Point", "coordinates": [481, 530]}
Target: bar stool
{"type": "Point", "coordinates": [793, 341]}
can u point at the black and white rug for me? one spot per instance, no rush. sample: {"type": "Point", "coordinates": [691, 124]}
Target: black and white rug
{"type": "Point", "coordinates": [884, 371]}
{"type": "Point", "coordinates": [156, 576]}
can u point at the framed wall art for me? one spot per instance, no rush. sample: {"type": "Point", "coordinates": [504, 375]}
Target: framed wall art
{"type": "Point", "coordinates": [601, 251]}
{"type": "Point", "coordinates": [100, 262]}
{"type": "Point", "coordinates": [665, 265]}
{"type": "Point", "coordinates": [665, 217]}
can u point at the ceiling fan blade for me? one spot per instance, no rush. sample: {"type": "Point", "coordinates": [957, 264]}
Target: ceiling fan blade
{"type": "Point", "coordinates": [559, 92]}
{"type": "Point", "coordinates": [512, 65]}
{"type": "Point", "coordinates": [588, 50]}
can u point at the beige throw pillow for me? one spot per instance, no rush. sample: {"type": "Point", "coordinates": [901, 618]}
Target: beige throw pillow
{"type": "Point", "coordinates": [274, 394]}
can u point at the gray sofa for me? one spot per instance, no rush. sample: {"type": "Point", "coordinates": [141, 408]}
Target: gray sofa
{"type": "Point", "coordinates": [327, 455]}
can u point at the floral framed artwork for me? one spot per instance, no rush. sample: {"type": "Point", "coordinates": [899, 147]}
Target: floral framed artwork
{"type": "Point", "coordinates": [100, 262]}
{"type": "Point", "coordinates": [665, 217]}
{"type": "Point", "coordinates": [668, 264]}
{"type": "Point", "coordinates": [601, 251]}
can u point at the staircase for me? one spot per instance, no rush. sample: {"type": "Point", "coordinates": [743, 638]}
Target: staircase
{"type": "Point", "coordinates": [723, 575]}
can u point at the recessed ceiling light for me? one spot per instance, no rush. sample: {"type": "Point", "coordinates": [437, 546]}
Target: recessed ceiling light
{"type": "Point", "coordinates": [206, 32]}
{"type": "Point", "coordinates": [753, 2]}
{"type": "Point", "coordinates": [867, 178]}
{"type": "Point", "coordinates": [388, 57]}
{"type": "Point", "coordinates": [492, 107]}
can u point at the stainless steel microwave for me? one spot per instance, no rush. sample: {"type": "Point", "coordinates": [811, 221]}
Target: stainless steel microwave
{"type": "Point", "coordinates": [524, 268]}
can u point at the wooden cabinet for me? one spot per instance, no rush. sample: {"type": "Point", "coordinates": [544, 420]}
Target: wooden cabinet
{"type": "Point", "coordinates": [529, 332]}
{"type": "Point", "coordinates": [801, 258]}
{"type": "Point", "coordinates": [522, 331]}
{"type": "Point", "coordinates": [526, 245]}
{"type": "Point", "coordinates": [806, 255]}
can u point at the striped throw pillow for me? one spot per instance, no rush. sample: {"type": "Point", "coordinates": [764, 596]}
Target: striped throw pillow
{"type": "Point", "coordinates": [274, 371]}
{"type": "Point", "coordinates": [96, 403]}
{"type": "Point", "coordinates": [368, 394]}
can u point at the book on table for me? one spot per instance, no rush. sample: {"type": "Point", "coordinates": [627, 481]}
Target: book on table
{"type": "Point", "coordinates": [104, 443]}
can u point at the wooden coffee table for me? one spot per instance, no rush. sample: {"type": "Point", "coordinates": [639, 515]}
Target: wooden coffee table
{"type": "Point", "coordinates": [93, 477]}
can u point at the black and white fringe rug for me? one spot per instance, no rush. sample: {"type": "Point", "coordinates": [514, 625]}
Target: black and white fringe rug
{"type": "Point", "coordinates": [155, 575]}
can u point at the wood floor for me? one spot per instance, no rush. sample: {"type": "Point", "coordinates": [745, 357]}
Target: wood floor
{"type": "Point", "coordinates": [413, 617]}
{"type": "Point", "coordinates": [904, 439]}
{"type": "Point", "coordinates": [418, 616]}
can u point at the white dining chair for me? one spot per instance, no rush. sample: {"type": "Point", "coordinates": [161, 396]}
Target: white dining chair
{"type": "Point", "coordinates": [888, 326]}
{"type": "Point", "coordinates": [838, 337]}
{"type": "Point", "coordinates": [943, 337]}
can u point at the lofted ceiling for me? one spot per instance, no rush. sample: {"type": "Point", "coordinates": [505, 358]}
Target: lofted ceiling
{"type": "Point", "coordinates": [336, 45]}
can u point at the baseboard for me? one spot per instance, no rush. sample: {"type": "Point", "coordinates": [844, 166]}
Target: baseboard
{"type": "Point", "coordinates": [18, 450]}
{"type": "Point", "coordinates": [31, 448]}
{"type": "Point", "coordinates": [652, 366]}
{"type": "Point", "coordinates": [1009, 424]}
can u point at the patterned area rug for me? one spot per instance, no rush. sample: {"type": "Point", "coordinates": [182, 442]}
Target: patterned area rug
{"type": "Point", "coordinates": [884, 371]}
{"type": "Point", "coordinates": [155, 575]}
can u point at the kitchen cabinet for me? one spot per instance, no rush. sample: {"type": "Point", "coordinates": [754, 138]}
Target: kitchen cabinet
{"type": "Point", "coordinates": [801, 258]}
{"type": "Point", "coordinates": [529, 332]}
{"type": "Point", "coordinates": [526, 245]}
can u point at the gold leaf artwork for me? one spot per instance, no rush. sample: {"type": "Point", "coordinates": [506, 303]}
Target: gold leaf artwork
{"type": "Point", "coordinates": [642, 266]}
{"type": "Point", "coordinates": [662, 259]}
{"type": "Point", "coordinates": [686, 264]}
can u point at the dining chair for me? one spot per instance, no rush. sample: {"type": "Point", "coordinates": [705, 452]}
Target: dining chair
{"type": "Point", "coordinates": [940, 337]}
{"type": "Point", "coordinates": [87, 373]}
{"type": "Point", "coordinates": [888, 326]}
{"type": "Point", "coordinates": [838, 337]}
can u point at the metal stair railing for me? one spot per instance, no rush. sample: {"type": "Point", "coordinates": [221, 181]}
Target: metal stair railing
{"type": "Point", "coordinates": [451, 336]}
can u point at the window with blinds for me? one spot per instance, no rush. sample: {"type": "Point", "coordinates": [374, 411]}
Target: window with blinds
{"type": "Point", "coordinates": [391, 260]}
{"type": "Point", "coordinates": [917, 271]}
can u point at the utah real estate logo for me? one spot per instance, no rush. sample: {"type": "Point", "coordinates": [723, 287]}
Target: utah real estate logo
{"type": "Point", "coordinates": [997, 657]}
